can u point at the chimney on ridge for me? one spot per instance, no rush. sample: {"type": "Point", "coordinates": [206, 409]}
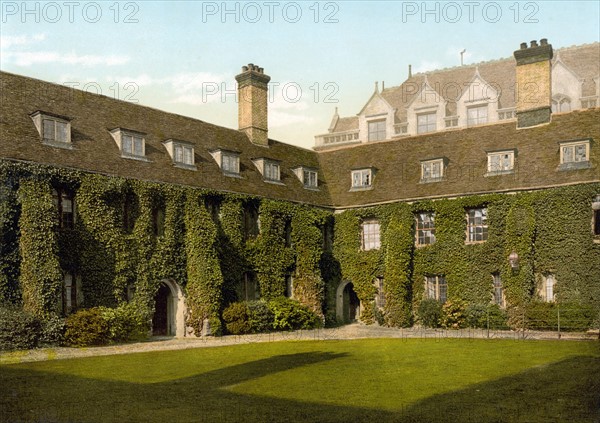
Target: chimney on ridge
{"type": "Point", "coordinates": [252, 103]}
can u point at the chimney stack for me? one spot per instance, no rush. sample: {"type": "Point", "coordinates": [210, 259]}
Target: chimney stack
{"type": "Point", "coordinates": [252, 103]}
{"type": "Point", "coordinates": [534, 84]}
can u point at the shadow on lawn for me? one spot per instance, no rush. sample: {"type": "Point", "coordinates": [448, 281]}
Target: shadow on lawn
{"type": "Point", "coordinates": [33, 396]}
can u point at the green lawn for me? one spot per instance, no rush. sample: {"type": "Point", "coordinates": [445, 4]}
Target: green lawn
{"type": "Point", "coordinates": [378, 380]}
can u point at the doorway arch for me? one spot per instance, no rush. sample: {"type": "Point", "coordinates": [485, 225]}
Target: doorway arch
{"type": "Point", "coordinates": [347, 306]}
{"type": "Point", "coordinates": [170, 310]}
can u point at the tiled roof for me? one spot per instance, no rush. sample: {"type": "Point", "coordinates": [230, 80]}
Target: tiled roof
{"type": "Point", "coordinates": [346, 124]}
{"type": "Point", "coordinates": [397, 162]}
{"type": "Point", "coordinates": [93, 116]}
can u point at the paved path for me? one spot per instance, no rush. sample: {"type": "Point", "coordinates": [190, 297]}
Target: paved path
{"type": "Point", "coordinates": [353, 331]}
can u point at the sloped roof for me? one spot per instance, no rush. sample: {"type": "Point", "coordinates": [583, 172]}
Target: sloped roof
{"type": "Point", "coordinates": [397, 162]}
{"type": "Point", "coordinates": [346, 124]}
{"type": "Point", "coordinates": [93, 116]}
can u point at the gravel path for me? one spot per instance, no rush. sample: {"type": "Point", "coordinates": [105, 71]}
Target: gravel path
{"type": "Point", "coordinates": [353, 331]}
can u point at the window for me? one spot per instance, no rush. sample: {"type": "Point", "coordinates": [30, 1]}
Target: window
{"type": "Point", "coordinates": [64, 204]}
{"type": "Point", "coordinates": [436, 288]}
{"type": "Point", "coordinates": [71, 293]}
{"type": "Point", "coordinates": [130, 211]}
{"type": "Point", "coordinates": [547, 289]}
{"type": "Point", "coordinates": [158, 221]}
{"type": "Point", "coordinates": [596, 216]}
{"type": "Point", "coordinates": [289, 286]}
{"type": "Point", "coordinates": [560, 104]}
{"type": "Point", "coordinates": [506, 114]}
{"type": "Point", "coordinates": [451, 121]}
{"type": "Point", "coordinates": [361, 178]}
{"type": "Point", "coordinates": [251, 220]}
{"type": "Point", "coordinates": [230, 163]}
{"type": "Point", "coordinates": [477, 115]}
{"type": "Point", "coordinates": [250, 290]}
{"type": "Point", "coordinates": [213, 206]}
{"type": "Point", "coordinates": [370, 235]}
{"type": "Point", "coordinates": [432, 170]}
{"type": "Point", "coordinates": [184, 154]}
{"type": "Point", "coordinates": [132, 145]}
{"type": "Point", "coordinates": [426, 123]}
{"type": "Point", "coordinates": [271, 171]}
{"type": "Point", "coordinates": [574, 152]}
{"type": "Point", "coordinates": [477, 228]}
{"type": "Point", "coordinates": [588, 103]}
{"type": "Point", "coordinates": [380, 295]}
{"type": "Point", "coordinates": [377, 130]}
{"type": "Point", "coordinates": [425, 232]}
{"type": "Point", "coordinates": [54, 130]}
{"type": "Point", "coordinates": [498, 290]}
{"type": "Point", "coordinates": [501, 162]}
{"type": "Point", "coordinates": [309, 178]}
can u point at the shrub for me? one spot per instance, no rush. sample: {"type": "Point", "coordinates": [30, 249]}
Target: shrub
{"type": "Point", "coordinates": [292, 315]}
{"type": "Point", "coordinates": [126, 323]}
{"type": "Point", "coordinates": [429, 313]}
{"type": "Point", "coordinates": [52, 331]}
{"type": "Point", "coordinates": [260, 317]}
{"type": "Point", "coordinates": [484, 316]}
{"type": "Point", "coordinates": [19, 330]}
{"type": "Point", "coordinates": [453, 315]}
{"type": "Point", "coordinates": [573, 316]}
{"type": "Point", "coordinates": [236, 318]}
{"type": "Point", "coordinates": [87, 327]}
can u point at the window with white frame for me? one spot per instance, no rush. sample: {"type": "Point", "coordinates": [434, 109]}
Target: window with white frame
{"type": "Point", "coordinates": [184, 154]}
{"type": "Point", "coordinates": [432, 170]}
{"type": "Point", "coordinates": [477, 228]}
{"type": "Point", "coordinates": [370, 235]}
{"type": "Point", "coordinates": [132, 145]}
{"type": "Point", "coordinates": [547, 288]}
{"type": "Point", "coordinates": [380, 293]}
{"type": "Point", "coordinates": [501, 161]}
{"type": "Point", "coordinates": [70, 293]}
{"type": "Point", "coordinates": [574, 152]}
{"type": "Point", "coordinates": [361, 178]}
{"type": "Point", "coordinates": [309, 177]}
{"type": "Point", "coordinates": [230, 163]}
{"type": "Point", "coordinates": [271, 171]}
{"type": "Point", "coordinates": [560, 104]}
{"type": "Point", "coordinates": [477, 115]}
{"type": "Point", "coordinates": [498, 290]}
{"type": "Point", "coordinates": [506, 114]}
{"type": "Point", "coordinates": [426, 122]}
{"type": "Point", "coordinates": [436, 288]}
{"type": "Point", "coordinates": [377, 130]}
{"type": "Point", "coordinates": [54, 130]}
{"type": "Point", "coordinates": [451, 121]}
{"type": "Point", "coordinates": [425, 228]}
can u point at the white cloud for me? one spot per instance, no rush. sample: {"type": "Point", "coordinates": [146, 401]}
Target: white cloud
{"type": "Point", "coordinates": [29, 58]}
{"type": "Point", "coordinates": [7, 41]}
{"type": "Point", "coordinates": [427, 66]}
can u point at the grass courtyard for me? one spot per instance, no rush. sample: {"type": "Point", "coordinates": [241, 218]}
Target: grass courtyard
{"type": "Point", "coordinates": [369, 380]}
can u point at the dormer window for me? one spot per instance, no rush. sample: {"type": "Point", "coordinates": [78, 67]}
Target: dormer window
{"type": "Point", "coordinates": [500, 162]}
{"type": "Point", "coordinates": [426, 122]}
{"type": "Point", "coordinates": [477, 115]}
{"type": "Point", "coordinates": [53, 129]}
{"type": "Point", "coordinates": [182, 153]}
{"type": "Point", "coordinates": [432, 170]}
{"type": "Point", "coordinates": [228, 161]}
{"type": "Point", "coordinates": [269, 169]}
{"type": "Point", "coordinates": [574, 154]}
{"type": "Point", "coordinates": [377, 130]}
{"type": "Point", "coordinates": [131, 143]}
{"type": "Point", "coordinates": [308, 176]}
{"type": "Point", "coordinates": [362, 179]}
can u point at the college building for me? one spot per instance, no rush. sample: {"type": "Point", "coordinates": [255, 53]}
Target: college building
{"type": "Point", "coordinates": [473, 185]}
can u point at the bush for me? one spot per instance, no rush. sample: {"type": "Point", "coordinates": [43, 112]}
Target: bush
{"type": "Point", "coordinates": [236, 318]}
{"type": "Point", "coordinates": [126, 323]}
{"type": "Point", "coordinates": [292, 315]}
{"type": "Point", "coordinates": [52, 331]}
{"type": "Point", "coordinates": [480, 316]}
{"type": "Point", "coordinates": [429, 313]}
{"type": "Point", "coordinates": [260, 317]}
{"type": "Point", "coordinates": [573, 316]}
{"type": "Point", "coordinates": [453, 315]}
{"type": "Point", "coordinates": [19, 330]}
{"type": "Point", "coordinates": [87, 327]}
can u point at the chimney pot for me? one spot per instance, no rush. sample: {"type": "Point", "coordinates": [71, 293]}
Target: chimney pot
{"type": "Point", "coordinates": [523, 46]}
{"type": "Point", "coordinates": [244, 68]}
{"type": "Point", "coordinates": [544, 41]}
{"type": "Point", "coordinates": [534, 43]}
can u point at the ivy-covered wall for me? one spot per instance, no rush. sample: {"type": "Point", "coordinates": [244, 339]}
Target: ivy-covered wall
{"type": "Point", "coordinates": [549, 229]}
{"type": "Point", "coordinates": [130, 234]}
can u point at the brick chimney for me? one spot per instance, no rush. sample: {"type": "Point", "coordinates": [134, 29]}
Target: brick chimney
{"type": "Point", "coordinates": [252, 103]}
{"type": "Point", "coordinates": [534, 84]}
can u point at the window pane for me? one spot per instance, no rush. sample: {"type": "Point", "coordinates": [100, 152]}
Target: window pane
{"type": "Point", "coordinates": [138, 146]}
{"type": "Point", "coordinates": [49, 131]}
{"type": "Point", "coordinates": [127, 144]}
{"type": "Point", "coordinates": [580, 153]}
{"type": "Point", "coordinates": [188, 156]}
{"type": "Point", "coordinates": [178, 154]}
{"type": "Point", "coordinates": [568, 153]}
{"type": "Point", "coordinates": [61, 132]}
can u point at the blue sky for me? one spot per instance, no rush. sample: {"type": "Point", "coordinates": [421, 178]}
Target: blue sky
{"type": "Point", "coordinates": [182, 56]}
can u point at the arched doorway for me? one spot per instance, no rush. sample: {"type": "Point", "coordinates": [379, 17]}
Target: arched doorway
{"type": "Point", "coordinates": [347, 308]}
{"type": "Point", "coordinates": [169, 312]}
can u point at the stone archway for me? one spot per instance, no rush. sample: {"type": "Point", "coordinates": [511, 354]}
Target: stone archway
{"type": "Point", "coordinates": [347, 304]}
{"type": "Point", "coordinates": [170, 310]}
